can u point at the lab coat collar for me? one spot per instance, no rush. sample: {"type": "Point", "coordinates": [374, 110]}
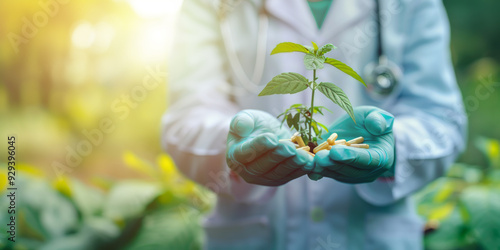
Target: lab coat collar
{"type": "Point", "coordinates": [341, 15]}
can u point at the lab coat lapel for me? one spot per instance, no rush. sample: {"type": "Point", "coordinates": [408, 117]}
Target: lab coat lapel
{"type": "Point", "coordinates": [342, 14]}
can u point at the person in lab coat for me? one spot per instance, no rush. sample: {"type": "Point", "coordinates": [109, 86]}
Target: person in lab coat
{"type": "Point", "coordinates": [420, 125]}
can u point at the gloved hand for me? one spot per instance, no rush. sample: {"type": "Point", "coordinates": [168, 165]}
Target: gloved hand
{"type": "Point", "coordinates": [255, 153]}
{"type": "Point", "coordinates": [359, 165]}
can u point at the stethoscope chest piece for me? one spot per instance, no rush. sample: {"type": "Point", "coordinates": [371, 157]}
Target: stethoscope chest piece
{"type": "Point", "coordinates": [382, 77]}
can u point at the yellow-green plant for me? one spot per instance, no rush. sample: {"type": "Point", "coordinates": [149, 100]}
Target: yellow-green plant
{"type": "Point", "coordinates": [300, 117]}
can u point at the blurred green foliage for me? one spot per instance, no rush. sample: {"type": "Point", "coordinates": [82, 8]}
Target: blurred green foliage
{"type": "Point", "coordinates": [464, 205]}
{"type": "Point", "coordinates": [92, 52]}
{"type": "Point", "coordinates": [125, 214]}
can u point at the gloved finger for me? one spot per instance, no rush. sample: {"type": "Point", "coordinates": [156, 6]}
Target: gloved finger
{"type": "Point", "coordinates": [379, 122]}
{"type": "Point", "coordinates": [242, 124]}
{"type": "Point", "coordinates": [314, 176]}
{"type": "Point", "coordinates": [296, 174]}
{"type": "Point", "coordinates": [359, 157]}
{"type": "Point", "coordinates": [350, 171]}
{"type": "Point", "coordinates": [258, 180]}
{"type": "Point", "coordinates": [271, 159]}
{"type": "Point", "coordinates": [322, 160]}
{"type": "Point", "coordinates": [252, 148]}
{"type": "Point", "coordinates": [369, 177]}
{"type": "Point", "coordinates": [288, 166]}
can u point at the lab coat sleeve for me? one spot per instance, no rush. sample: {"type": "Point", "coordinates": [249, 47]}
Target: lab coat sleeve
{"type": "Point", "coordinates": [196, 124]}
{"type": "Point", "coordinates": [430, 124]}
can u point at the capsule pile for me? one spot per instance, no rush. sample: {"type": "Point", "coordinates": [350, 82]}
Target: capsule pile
{"type": "Point", "coordinates": [326, 145]}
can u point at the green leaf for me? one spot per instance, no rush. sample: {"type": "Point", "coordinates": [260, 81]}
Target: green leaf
{"type": "Point", "coordinates": [326, 48]}
{"type": "Point", "coordinates": [169, 228]}
{"type": "Point", "coordinates": [483, 205]}
{"type": "Point", "coordinates": [310, 49]}
{"type": "Point", "coordinates": [323, 107]}
{"type": "Point", "coordinates": [289, 120]}
{"type": "Point", "coordinates": [314, 62]}
{"type": "Point", "coordinates": [128, 199]}
{"type": "Point", "coordinates": [295, 121]}
{"type": "Point", "coordinates": [344, 68]}
{"type": "Point", "coordinates": [289, 47]}
{"type": "Point", "coordinates": [296, 118]}
{"type": "Point", "coordinates": [323, 126]}
{"type": "Point", "coordinates": [315, 110]}
{"type": "Point", "coordinates": [285, 83]}
{"type": "Point", "coordinates": [337, 95]}
{"type": "Point", "coordinates": [315, 46]}
{"type": "Point", "coordinates": [315, 127]}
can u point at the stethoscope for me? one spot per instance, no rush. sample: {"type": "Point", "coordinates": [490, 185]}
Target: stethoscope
{"type": "Point", "coordinates": [382, 77]}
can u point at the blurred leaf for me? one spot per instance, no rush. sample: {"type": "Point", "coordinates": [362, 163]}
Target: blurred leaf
{"type": "Point", "coordinates": [30, 170]}
{"type": "Point", "coordinates": [167, 165]}
{"type": "Point", "coordinates": [444, 192]}
{"type": "Point", "coordinates": [490, 148]}
{"type": "Point", "coordinates": [451, 234]}
{"type": "Point", "coordinates": [315, 46]}
{"type": "Point", "coordinates": [58, 216]}
{"type": "Point", "coordinates": [128, 199]}
{"type": "Point", "coordinates": [176, 228]}
{"type": "Point", "coordinates": [483, 205]}
{"type": "Point", "coordinates": [442, 212]}
{"type": "Point", "coordinates": [315, 127]}
{"type": "Point", "coordinates": [289, 120]}
{"type": "Point", "coordinates": [95, 233]}
{"type": "Point", "coordinates": [102, 183]}
{"type": "Point", "coordinates": [323, 126]}
{"type": "Point", "coordinates": [3, 181]}
{"type": "Point", "coordinates": [139, 165]}
{"type": "Point", "coordinates": [88, 200]}
{"type": "Point", "coordinates": [62, 185]}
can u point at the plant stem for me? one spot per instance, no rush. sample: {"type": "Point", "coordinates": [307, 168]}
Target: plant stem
{"type": "Point", "coordinates": [312, 105]}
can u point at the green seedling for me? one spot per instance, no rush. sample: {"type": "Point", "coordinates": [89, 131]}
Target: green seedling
{"type": "Point", "coordinates": [300, 117]}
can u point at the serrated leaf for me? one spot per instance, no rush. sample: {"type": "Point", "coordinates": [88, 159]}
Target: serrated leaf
{"type": "Point", "coordinates": [326, 48]}
{"type": "Point", "coordinates": [337, 95]}
{"type": "Point", "coordinates": [314, 62]}
{"type": "Point", "coordinates": [285, 83]}
{"type": "Point", "coordinates": [287, 47]}
{"type": "Point", "coordinates": [315, 46]}
{"type": "Point", "coordinates": [344, 68]}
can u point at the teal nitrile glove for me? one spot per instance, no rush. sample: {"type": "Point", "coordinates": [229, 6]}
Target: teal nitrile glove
{"type": "Point", "coordinates": [255, 153]}
{"type": "Point", "coordinates": [359, 165]}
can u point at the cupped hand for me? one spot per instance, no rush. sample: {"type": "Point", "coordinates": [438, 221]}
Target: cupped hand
{"type": "Point", "coordinates": [255, 153]}
{"type": "Point", "coordinates": [359, 165]}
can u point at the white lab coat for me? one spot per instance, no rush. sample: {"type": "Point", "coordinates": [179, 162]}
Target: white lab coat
{"type": "Point", "coordinates": [429, 127]}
